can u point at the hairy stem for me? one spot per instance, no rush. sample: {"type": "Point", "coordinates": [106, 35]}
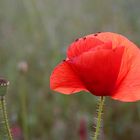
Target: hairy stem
{"type": "Point", "coordinates": [99, 118]}
{"type": "Point", "coordinates": [3, 107]}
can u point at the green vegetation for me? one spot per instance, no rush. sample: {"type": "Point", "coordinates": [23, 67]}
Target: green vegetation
{"type": "Point", "coordinates": [34, 35]}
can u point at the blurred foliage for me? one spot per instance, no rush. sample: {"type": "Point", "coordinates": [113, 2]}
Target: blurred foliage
{"type": "Point", "coordinates": [37, 32]}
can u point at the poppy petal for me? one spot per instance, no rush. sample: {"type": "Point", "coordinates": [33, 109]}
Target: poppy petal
{"type": "Point", "coordinates": [128, 89]}
{"type": "Point", "coordinates": [116, 39]}
{"type": "Point", "coordinates": [99, 69]}
{"type": "Point", "coordinates": [128, 81]}
{"type": "Point", "coordinates": [82, 45]}
{"type": "Point", "coordinates": [64, 80]}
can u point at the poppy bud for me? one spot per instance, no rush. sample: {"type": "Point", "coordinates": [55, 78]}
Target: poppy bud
{"type": "Point", "coordinates": [3, 86]}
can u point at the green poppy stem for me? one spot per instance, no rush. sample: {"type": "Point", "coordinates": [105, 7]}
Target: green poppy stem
{"type": "Point", "coordinates": [23, 106]}
{"type": "Point", "coordinates": [99, 118]}
{"type": "Point", "coordinates": [3, 107]}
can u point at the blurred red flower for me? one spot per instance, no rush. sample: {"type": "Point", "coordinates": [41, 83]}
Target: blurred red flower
{"type": "Point", "coordinates": [83, 134]}
{"type": "Point", "coordinates": [17, 132]}
{"type": "Point", "coordinates": [105, 64]}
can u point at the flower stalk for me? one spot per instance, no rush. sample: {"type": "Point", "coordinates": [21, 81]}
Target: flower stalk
{"type": "Point", "coordinates": [5, 117]}
{"type": "Point", "coordinates": [3, 89]}
{"type": "Point", "coordinates": [23, 102]}
{"type": "Point", "coordinates": [99, 117]}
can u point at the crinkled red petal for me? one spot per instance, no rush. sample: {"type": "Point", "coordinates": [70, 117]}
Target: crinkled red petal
{"type": "Point", "coordinates": [98, 70]}
{"type": "Point", "coordinates": [82, 45]}
{"type": "Point", "coordinates": [128, 83]}
{"type": "Point", "coordinates": [64, 80]}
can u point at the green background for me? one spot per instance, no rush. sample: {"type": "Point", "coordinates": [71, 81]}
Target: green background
{"type": "Point", "coordinates": [37, 32]}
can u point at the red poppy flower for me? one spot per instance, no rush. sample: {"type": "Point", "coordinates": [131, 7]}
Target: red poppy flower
{"type": "Point", "coordinates": [104, 64]}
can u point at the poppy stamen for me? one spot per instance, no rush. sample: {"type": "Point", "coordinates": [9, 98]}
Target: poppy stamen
{"type": "Point", "coordinates": [76, 39]}
{"type": "Point", "coordinates": [84, 38]}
